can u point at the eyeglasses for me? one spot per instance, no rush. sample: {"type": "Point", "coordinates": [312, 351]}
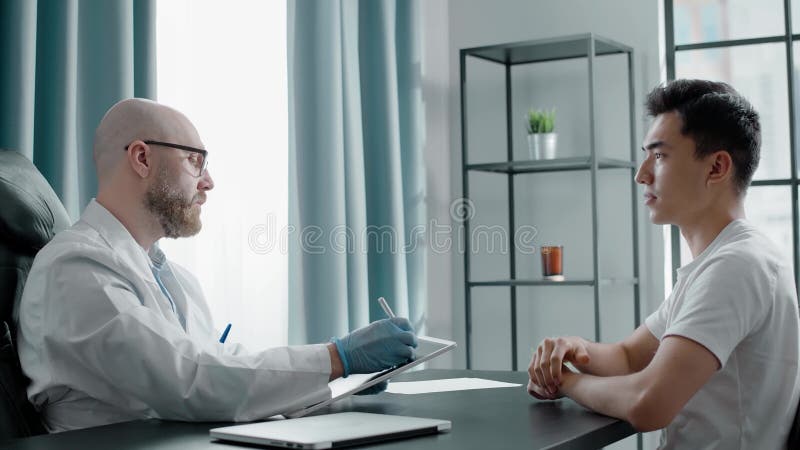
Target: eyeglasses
{"type": "Point", "coordinates": [200, 163]}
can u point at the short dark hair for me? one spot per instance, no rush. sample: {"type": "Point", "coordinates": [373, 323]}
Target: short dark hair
{"type": "Point", "coordinates": [716, 117]}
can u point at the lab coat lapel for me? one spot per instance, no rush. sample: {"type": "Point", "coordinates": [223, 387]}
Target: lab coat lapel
{"type": "Point", "coordinates": [198, 318]}
{"type": "Point", "coordinates": [131, 254]}
{"type": "Point", "coordinates": [174, 286]}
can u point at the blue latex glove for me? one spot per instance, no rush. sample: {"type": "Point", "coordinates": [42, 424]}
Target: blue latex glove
{"type": "Point", "coordinates": [380, 345]}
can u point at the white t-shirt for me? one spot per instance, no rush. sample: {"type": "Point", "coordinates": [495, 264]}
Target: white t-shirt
{"type": "Point", "coordinates": [737, 299]}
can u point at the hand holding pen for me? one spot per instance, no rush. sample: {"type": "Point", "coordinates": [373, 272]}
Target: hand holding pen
{"type": "Point", "coordinates": [380, 345]}
{"type": "Point", "coordinates": [385, 307]}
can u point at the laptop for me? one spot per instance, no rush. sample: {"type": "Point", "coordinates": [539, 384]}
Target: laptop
{"type": "Point", "coordinates": [330, 430]}
{"type": "Point", "coordinates": [427, 349]}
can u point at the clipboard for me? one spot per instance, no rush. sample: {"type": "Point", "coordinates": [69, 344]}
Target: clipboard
{"type": "Point", "coordinates": [428, 348]}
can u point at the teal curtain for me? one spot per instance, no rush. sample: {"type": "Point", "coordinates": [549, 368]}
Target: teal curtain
{"type": "Point", "coordinates": [356, 175]}
{"type": "Point", "coordinates": [65, 62]}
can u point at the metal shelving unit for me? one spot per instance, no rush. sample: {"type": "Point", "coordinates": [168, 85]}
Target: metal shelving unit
{"type": "Point", "coordinates": [550, 165]}
{"type": "Point", "coordinates": [587, 46]}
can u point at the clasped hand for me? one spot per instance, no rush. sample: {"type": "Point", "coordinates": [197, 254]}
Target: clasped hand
{"type": "Point", "coordinates": [547, 367]}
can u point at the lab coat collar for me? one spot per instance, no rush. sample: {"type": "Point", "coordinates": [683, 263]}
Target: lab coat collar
{"type": "Point", "coordinates": [133, 255]}
{"type": "Point", "coordinates": [116, 236]}
{"type": "Point", "coordinates": [157, 257]}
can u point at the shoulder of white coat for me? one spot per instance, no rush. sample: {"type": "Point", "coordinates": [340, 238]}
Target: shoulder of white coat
{"type": "Point", "coordinates": [77, 243]}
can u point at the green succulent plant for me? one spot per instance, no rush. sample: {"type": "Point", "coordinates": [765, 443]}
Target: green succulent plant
{"type": "Point", "coordinates": [541, 121]}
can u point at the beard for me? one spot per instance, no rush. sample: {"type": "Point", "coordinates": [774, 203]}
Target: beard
{"type": "Point", "coordinates": [176, 215]}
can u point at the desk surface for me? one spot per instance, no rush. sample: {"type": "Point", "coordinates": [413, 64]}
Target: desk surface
{"type": "Point", "coordinates": [502, 418]}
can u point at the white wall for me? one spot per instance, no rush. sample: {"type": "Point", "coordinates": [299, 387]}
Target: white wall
{"type": "Point", "coordinates": [453, 25]}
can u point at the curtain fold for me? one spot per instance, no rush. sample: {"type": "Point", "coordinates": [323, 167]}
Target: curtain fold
{"type": "Point", "coordinates": [357, 186]}
{"type": "Point", "coordinates": [68, 62]}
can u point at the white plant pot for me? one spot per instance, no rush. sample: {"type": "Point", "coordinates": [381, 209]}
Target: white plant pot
{"type": "Point", "coordinates": [542, 145]}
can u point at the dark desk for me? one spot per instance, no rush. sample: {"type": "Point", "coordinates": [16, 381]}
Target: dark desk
{"type": "Point", "coordinates": [503, 418]}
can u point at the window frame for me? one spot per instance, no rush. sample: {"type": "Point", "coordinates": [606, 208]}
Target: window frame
{"type": "Point", "coordinates": [788, 39]}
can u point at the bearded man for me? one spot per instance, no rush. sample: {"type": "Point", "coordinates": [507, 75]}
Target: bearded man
{"type": "Point", "coordinates": [110, 330]}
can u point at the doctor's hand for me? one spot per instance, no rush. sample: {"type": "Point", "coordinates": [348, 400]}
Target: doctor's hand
{"type": "Point", "coordinates": [380, 345]}
{"type": "Point", "coordinates": [547, 364]}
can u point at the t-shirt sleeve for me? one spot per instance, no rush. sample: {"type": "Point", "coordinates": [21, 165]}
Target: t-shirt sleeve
{"type": "Point", "coordinates": [657, 322]}
{"type": "Point", "coordinates": [725, 302]}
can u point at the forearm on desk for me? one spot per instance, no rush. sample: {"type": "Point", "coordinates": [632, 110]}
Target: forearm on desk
{"type": "Point", "coordinates": [628, 356]}
{"type": "Point", "coordinates": [615, 396]}
{"type": "Point", "coordinates": [615, 383]}
{"type": "Point", "coordinates": [649, 398]}
{"type": "Point", "coordinates": [606, 360]}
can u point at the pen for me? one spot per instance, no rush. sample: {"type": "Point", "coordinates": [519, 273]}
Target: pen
{"type": "Point", "coordinates": [225, 334]}
{"type": "Point", "coordinates": [385, 307]}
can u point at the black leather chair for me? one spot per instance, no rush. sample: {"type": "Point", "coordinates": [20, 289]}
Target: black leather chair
{"type": "Point", "coordinates": [794, 433]}
{"type": "Point", "coordinates": [30, 215]}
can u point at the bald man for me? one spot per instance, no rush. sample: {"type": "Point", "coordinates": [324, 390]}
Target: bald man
{"type": "Point", "coordinates": [110, 330]}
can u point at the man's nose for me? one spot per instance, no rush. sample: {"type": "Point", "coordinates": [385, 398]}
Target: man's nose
{"type": "Point", "coordinates": [206, 182]}
{"type": "Point", "coordinates": [644, 175]}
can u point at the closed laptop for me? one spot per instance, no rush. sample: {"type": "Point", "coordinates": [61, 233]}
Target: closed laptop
{"type": "Point", "coordinates": [330, 430]}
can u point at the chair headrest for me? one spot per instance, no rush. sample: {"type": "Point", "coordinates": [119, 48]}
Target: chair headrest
{"type": "Point", "coordinates": [32, 213]}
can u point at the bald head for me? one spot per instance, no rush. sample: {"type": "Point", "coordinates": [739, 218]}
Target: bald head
{"type": "Point", "coordinates": [132, 119]}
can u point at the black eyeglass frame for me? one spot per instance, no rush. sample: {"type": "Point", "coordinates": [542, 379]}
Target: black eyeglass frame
{"type": "Point", "coordinates": [182, 147]}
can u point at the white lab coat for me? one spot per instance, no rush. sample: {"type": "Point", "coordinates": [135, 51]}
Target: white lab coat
{"type": "Point", "coordinates": [101, 344]}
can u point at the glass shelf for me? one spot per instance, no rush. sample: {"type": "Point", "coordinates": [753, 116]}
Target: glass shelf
{"type": "Point", "coordinates": [576, 46]}
{"type": "Point", "coordinates": [550, 165]}
{"type": "Point", "coordinates": [567, 282]}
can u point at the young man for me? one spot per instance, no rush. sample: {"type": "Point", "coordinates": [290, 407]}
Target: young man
{"type": "Point", "coordinates": [112, 331]}
{"type": "Point", "coordinates": [716, 365]}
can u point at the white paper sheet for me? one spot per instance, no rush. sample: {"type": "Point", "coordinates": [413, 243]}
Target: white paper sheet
{"type": "Point", "coordinates": [445, 385]}
{"type": "Point", "coordinates": [341, 385]}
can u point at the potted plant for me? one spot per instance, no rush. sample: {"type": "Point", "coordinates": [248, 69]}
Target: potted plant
{"type": "Point", "coordinates": [542, 138]}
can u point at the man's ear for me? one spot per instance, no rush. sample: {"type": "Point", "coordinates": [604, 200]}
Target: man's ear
{"type": "Point", "coordinates": [720, 168]}
{"type": "Point", "coordinates": [139, 158]}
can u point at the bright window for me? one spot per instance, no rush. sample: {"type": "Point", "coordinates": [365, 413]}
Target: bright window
{"type": "Point", "coordinates": [744, 43]}
{"type": "Point", "coordinates": [223, 64]}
